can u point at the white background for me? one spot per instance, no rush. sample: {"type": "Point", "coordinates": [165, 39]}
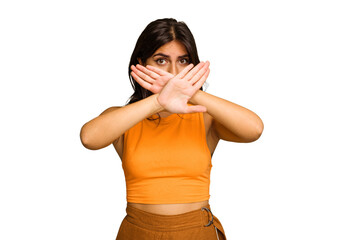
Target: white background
{"type": "Point", "coordinates": [294, 63]}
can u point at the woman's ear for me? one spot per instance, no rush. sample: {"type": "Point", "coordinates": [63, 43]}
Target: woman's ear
{"type": "Point", "coordinates": [139, 60]}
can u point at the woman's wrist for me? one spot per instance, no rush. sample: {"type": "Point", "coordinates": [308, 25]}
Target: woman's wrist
{"type": "Point", "coordinates": [157, 106]}
{"type": "Point", "coordinates": [196, 98]}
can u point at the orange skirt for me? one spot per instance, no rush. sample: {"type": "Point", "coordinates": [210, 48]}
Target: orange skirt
{"type": "Point", "coordinates": [199, 224]}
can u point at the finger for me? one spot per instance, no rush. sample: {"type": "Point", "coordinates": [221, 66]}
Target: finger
{"type": "Point", "coordinates": [139, 80]}
{"type": "Point", "coordinates": [200, 73]}
{"type": "Point", "coordinates": [185, 70]}
{"type": "Point", "coordinates": [157, 70]}
{"type": "Point", "coordinates": [202, 80]}
{"type": "Point", "coordinates": [196, 108]}
{"type": "Point", "coordinates": [142, 75]}
{"type": "Point", "coordinates": [193, 71]}
{"type": "Point", "coordinates": [147, 71]}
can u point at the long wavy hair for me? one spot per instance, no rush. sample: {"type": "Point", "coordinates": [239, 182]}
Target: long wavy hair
{"type": "Point", "coordinates": [155, 35]}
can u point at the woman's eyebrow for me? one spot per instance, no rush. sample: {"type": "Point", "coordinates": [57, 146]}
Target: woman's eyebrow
{"type": "Point", "coordinates": [167, 56]}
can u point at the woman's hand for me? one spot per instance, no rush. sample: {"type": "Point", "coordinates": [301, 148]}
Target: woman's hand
{"type": "Point", "coordinates": [178, 90]}
{"type": "Point", "coordinates": [183, 86]}
{"type": "Point", "coordinates": [150, 78]}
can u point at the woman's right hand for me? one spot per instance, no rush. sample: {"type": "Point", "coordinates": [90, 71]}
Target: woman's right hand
{"type": "Point", "coordinates": [178, 90]}
{"type": "Point", "coordinates": [150, 78]}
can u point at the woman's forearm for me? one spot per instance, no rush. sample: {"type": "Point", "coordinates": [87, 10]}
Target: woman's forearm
{"type": "Point", "coordinates": [106, 128]}
{"type": "Point", "coordinates": [242, 122]}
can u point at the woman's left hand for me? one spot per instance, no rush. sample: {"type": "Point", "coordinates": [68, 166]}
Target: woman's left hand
{"type": "Point", "coordinates": [150, 78]}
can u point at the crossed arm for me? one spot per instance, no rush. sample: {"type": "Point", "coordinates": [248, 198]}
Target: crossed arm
{"type": "Point", "coordinates": [229, 121]}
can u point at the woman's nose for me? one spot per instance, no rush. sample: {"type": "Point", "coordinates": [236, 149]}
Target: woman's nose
{"type": "Point", "coordinates": [173, 69]}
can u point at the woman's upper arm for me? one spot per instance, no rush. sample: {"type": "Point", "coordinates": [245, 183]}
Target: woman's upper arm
{"type": "Point", "coordinates": [218, 131]}
{"type": "Point", "coordinates": [110, 109]}
{"type": "Point", "coordinates": [118, 143]}
{"type": "Point", "coordinates": [223, 133]}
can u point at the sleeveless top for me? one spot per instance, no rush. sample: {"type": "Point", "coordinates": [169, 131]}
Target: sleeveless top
{"type": "Point", "coordinates": [168, 161]}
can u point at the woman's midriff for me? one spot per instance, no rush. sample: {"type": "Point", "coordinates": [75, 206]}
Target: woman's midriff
{"type": "Point", "coordinates": [169, 209]}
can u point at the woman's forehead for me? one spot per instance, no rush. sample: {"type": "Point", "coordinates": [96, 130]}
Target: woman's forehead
{"type": "Point", "coordinates": [173, 48]}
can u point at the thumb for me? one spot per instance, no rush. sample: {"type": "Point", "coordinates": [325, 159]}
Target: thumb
{"type": "Point", "coordinates": [196, 108]}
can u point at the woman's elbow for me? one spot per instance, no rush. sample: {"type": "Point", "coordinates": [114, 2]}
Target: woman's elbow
{"type": "Point", "coordinates": [258, 130]}
{"type": "Point", "coordinates": [255, 133]}
{"type": "Point", "coordinates": [86, 139]}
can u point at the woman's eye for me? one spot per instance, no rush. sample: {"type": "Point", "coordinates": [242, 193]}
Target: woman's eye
{"type": "Point", "coordinates": [161, 61]}
{"type": "Point", "coordinates": [184, 61]}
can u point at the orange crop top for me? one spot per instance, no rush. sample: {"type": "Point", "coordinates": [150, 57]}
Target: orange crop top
{"type": "Point", "coordinates": [167, 162]}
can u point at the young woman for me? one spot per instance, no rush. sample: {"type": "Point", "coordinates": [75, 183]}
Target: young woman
{"type": "Point", "coordinates": [166, 135]}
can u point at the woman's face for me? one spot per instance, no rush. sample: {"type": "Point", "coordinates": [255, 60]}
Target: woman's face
{"type": "Point", "coordinates": [171, 57]}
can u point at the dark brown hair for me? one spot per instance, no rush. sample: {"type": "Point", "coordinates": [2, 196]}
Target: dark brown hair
{"type": "Point", "coordinates": [155, 35]}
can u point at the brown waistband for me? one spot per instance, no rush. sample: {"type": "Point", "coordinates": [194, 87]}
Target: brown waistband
{"type": "Point", "coordinates": [197, 218]}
